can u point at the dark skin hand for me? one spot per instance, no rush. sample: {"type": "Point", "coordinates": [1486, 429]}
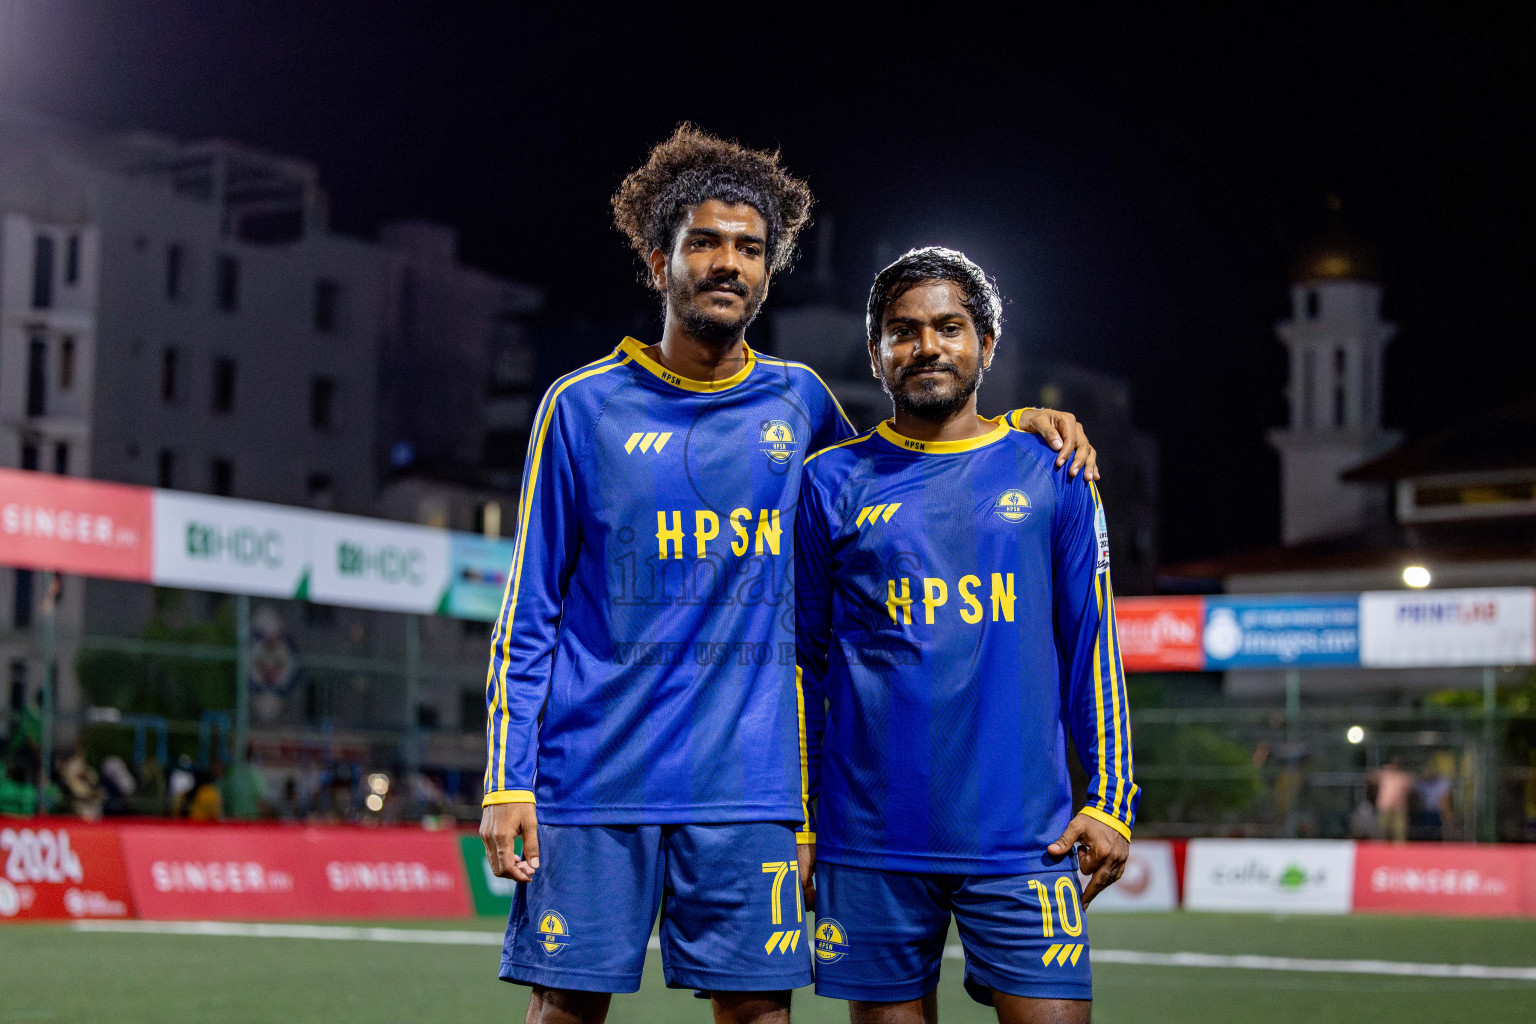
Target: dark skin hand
{"type": "Point", "coordinates": [1065, 435]}
{"type": "Point", "coordinates": [1101, 852]}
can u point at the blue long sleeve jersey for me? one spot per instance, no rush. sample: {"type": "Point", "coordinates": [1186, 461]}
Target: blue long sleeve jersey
{"type": "Point", "coordinates": [956, 622]}
{"type": "Point", "coordinates": [642, 668]}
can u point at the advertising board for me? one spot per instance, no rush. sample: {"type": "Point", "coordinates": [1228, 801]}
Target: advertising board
{"type": "Point", "coordinates": [492, 894]}
{"type": "Point", "coordinates": [1282, 632]}
{"type": "Point", "coordinates": [1461, 879]}
{"type": "Point", "coordinates": [479, 576]}
{"type": "Point", "coordinates": [75, 526]}
{"type": "Point", "coordinates": [1310, 876]}
{"type": "Point", "coordinates": [1149, 881]}
{"type": "Point", "coordinates": [231, 546]}
{"type": "Point", "coordinates": [54, 869]}
{"type": "Point", "coordinates": [1160, 634]}
{"type": "Point", "coordinates": [1448, 627]}
{"type": "Point", "coordinates": [369, 563]}
{"type": "Point", "coordinates": [282, 873]}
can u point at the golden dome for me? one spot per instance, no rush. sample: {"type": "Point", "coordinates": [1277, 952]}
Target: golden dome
{"type": "Point", "coordinates": [1336, 255]}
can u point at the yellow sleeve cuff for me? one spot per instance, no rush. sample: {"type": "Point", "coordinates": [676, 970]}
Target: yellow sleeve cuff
{"type": "Point", "coordinates": [1108, 819]}
{"type": "Point", "coordinates": [805, 838]}
{"type": "Point", "coordinates": [508, 796]}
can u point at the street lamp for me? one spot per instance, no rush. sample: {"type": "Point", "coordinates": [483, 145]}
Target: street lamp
{"type": "Point", "coordinates": [1355, 734]}
{"type": "Point", "coordinates": [1416, 576]}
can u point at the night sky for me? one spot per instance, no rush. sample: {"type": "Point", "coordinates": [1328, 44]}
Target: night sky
{"type": "Point", "coordinates": [1138, 185]}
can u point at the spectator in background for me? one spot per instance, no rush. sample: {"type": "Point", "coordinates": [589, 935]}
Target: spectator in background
{"type": "Point", "coordinates": [119, 783]}
{"type": "Point", "coordinates": [290, 806]}
{"type": "Point", "coordinates": [206, 803]}
{"type": "Point", "coordinates": [150, 797]}
{"type": "Point", "coordinates": [1434, 793]}
{"type": "Point", "coordinates": [17, 794]}
{"type": "Point", "coordinates": [1393, 787]}
{"type": "Point", "coordinates": [244, 790]}
{"type": "Point", "coordinates": [180, 785]}
{"type": "Point", "coordinates": [83, 785]}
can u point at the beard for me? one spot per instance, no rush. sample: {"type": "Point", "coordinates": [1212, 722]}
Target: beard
{"type": "Point", "coordinates": [931, 399]}
{"type": "Point", "coordinates": [699, 322]}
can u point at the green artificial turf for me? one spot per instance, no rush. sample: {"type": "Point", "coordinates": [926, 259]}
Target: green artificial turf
{"type": "Point", "coordinates": [52, 973]}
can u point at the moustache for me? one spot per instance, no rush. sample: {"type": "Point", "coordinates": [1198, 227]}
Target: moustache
{"type": "Point", "coordinates": [727, 284]}
{"type": "Point", "coordinates": [948, 368]}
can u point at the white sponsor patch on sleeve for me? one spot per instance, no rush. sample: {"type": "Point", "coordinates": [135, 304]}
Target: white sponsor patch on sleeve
{"type": "Point", "coordinates": [1101, 534]}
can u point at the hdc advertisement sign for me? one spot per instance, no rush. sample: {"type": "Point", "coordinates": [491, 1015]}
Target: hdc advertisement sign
{"type": "Point", "coordinates": [1314, 876]}
{"type": "Point", "coordinates": [1282, 632]}
{"type": "Point", "coordinates": [368, 563]}
{"type": "Point", "coordinates": [75, 526]}
{"type": "Point", "coordinates": [1448, 627]}
{"type": "Point", "coordinates": [53, 870]}
{"type": "Point", "coordinates": [231, 546]}
{"type": "Point", "coordinates": [254, 873]}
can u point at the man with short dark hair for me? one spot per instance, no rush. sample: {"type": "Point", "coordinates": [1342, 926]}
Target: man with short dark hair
{"type": "Point", "coordinates": [642, 688]}
{"type": "Point", "coordinates": [956, 620]}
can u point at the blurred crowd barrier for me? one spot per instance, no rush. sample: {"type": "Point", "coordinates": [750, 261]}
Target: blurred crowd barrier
{"type": "Point", "coordinates": [64, 869]}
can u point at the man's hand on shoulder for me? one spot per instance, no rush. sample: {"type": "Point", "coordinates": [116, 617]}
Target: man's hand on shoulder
{"type": "Point", "coordinates": [1102, 852]}
{"type": "Point", "coordinates": [500, 827]}
{"type": "Point", "coordinates": [1066, 436]}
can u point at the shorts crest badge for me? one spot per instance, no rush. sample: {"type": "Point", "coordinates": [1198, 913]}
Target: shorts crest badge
{"type": "Point", "coordinates": [1012, 505]}
{"type": "Point", "coordinates": [831, 941]}
{"type": "Point", "coordinates": [554, 933]}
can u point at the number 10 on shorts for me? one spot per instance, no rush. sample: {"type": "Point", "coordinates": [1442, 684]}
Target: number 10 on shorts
{"type": "Point", "coordinates": [784, 941]}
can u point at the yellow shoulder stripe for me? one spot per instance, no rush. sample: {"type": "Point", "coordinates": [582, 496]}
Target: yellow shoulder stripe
{"type": "Point", "coordinates": [842, 444]}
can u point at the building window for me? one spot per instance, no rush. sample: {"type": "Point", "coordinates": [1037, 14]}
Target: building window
{"type": "Point", "coordinates": [229, 283]}
{"type": "Point", "coordinates": [222, 477]}
{"type": "Point", "coordinates": [168, 375]}
{"type": "Point", "coordinates": [175, 259]}
{"type": "Point", "coordinates": [166, 475]}
{"type": "Point", "coordinates": [42, 273]}
{"type": "Point", "coordinates": [327, 305]}
{"type": "Point", "coordinates": [21, 607]}
{"type": "Point", "coordinates": [1308, 362]}
{"type": "Point", "coordinates": [322, 404]}
{"type": "Point", "coordinates": [66, 363]}
{"type": "Point", "coordinates": [18, 698]}
{"type": "Point", "coordinates": [37, 377]}
{"type": "Point", "coordinates": [30, 458]}
{"type": "Point", "coordinates": [223, 384]}
{"type": "Point", "coordinates": [1312, 304]}
{"type": "Point", "coordinates": [72, 260]}
{"type": "Point", "coordinates": [61, 458]}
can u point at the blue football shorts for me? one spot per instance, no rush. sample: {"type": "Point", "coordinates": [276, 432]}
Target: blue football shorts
{"type": "Point", "coordinates": [879, 935]}
{"type": "Point", "coordinates": [732, 913]}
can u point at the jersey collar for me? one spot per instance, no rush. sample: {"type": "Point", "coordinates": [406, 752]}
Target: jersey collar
{"type": "Point", "coordinates": [888, 431]}
{"type": "Point", "coordinates": [636, 351]}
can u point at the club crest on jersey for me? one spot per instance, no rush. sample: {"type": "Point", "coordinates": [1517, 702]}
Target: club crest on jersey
{"type": "Point", "coordinates": [831, 941]}
{"type": "Point", "coordinates": [1012, 505]}
{"type": "Point", "coordinates": [778, 440]}
{"type": "Point", "coordinates": [554, 933]}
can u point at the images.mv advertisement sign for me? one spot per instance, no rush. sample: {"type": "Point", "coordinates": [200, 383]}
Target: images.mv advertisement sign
{"type": "Point", "coordinates": [1290, 631]}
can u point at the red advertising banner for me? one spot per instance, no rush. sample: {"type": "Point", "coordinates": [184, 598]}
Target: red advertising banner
{"type": "Point", "coordinates": [273, 873]}
{"type": "Point", "coordinates": [1160, 634]}
{"type": "Point", "coordinates": [75, 526]}
{"type": "Point", "coordinates": [55, 869]}
{"type": "Point", "coordinates": [1459, 879]}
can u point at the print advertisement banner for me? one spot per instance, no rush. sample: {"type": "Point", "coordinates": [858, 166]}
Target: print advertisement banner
{"type": "Point", "coordinates": [1304, 876]}
{"type": "Point", "coordinates": [1149, 881]}
{"type": "Point", "coordinates": [1160, 634]}
{"type": "Point", "coordinates": [257, 873]}
{"type": "Point", "coordinates": [1288, 631]}
{"type": "Point", "coordinates": [370, 563]}
{"type": "Point", "coordinates": [492, 894]}
{"type": "Point", "coordinates": [1448, 627]}
{"type": "Point", "coordinates": [480, 569]}
{"type": "Point", "coordinates": [229, 546]}
{"type": "Point", "coordinates": [61, 870]}
{"type": "Point", "coordinates": [1460, 879]}
{"type": "Point", "coordinates": [75, 526]}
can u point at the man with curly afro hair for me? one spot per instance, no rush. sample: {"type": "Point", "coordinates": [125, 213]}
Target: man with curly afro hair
{"type": "Point", "coordinates": [646, 721]}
